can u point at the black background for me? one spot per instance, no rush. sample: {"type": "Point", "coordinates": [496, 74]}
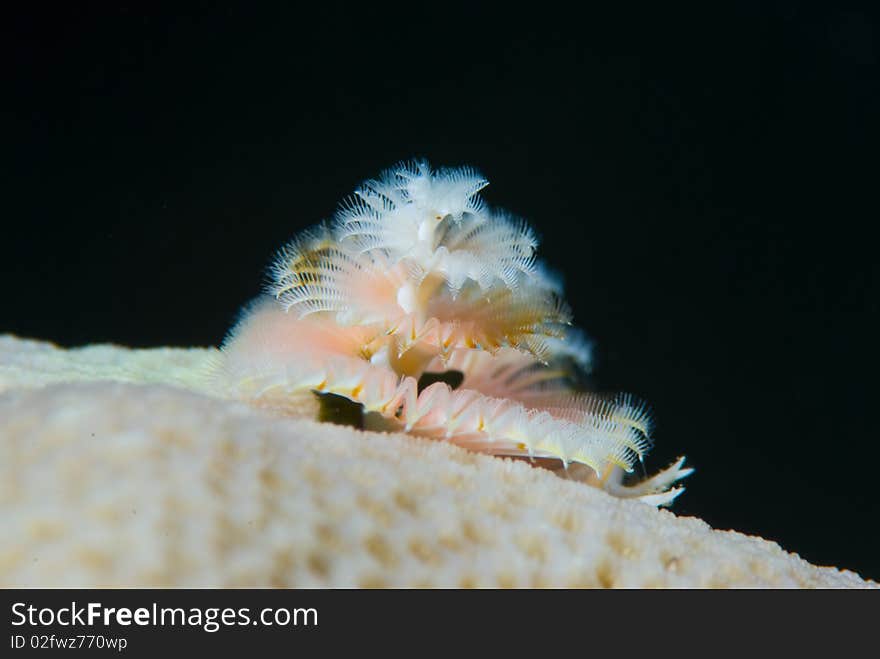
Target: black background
{"type": "Point", "coordinates": [704, 178]}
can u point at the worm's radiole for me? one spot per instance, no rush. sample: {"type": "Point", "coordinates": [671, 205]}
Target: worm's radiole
{"type": "Point", "coordinates": [415, 278]}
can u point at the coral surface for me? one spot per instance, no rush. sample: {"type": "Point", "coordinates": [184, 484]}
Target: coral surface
{"type": "Point", "coordinates": [129, 468]}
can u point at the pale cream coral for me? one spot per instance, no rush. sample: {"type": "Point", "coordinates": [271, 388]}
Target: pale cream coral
{"type": "Point", "coordinates": [26, 363]}
{"type": "Point", "coordinates": [153, 477]}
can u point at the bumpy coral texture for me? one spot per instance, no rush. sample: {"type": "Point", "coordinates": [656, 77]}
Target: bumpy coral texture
{"type": "Point", "coordinates": [416, 276]}
{"type": "Point", "coordinates": [127, 468]}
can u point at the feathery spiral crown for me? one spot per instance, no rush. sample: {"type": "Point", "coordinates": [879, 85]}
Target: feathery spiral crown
{"type": "Point", "coordinates": [416, 277]}
{"type": "Point", "coordinates": [419, 245]}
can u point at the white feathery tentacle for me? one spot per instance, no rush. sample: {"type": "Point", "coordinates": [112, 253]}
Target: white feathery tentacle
{"type": "Point", "coordinates": [464, 416]}
{"type": "Point", "coordinates": [416, 275]}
